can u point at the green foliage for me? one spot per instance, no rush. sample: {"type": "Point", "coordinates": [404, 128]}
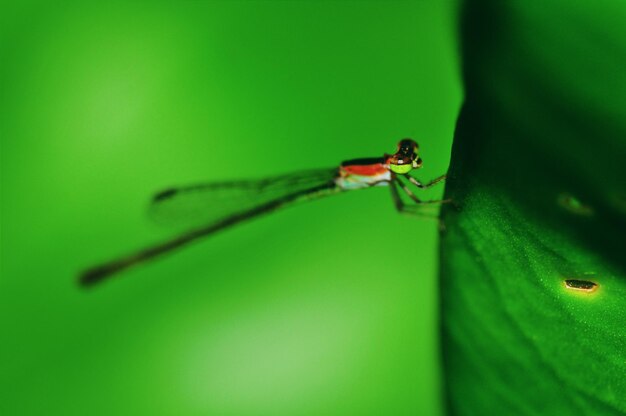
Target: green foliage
{"type": "Point", "coordinates": [537, 176]}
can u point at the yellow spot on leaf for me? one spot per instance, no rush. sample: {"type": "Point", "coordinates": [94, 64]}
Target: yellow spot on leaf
{"type": "Point", "coordinates": [581, 285]}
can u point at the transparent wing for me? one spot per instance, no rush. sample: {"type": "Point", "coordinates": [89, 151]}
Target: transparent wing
{"type": "Point", "coordinates": [217, 206]}
{"type": "Point", "coordinates": [200, 204]}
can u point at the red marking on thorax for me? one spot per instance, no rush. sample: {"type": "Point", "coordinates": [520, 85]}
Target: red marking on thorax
{"type": "Point", "coordinates": [364, 170]}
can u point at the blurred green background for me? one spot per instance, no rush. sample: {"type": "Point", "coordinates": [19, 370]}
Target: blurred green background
{"type": "Point", "coordinates": [313, 310]}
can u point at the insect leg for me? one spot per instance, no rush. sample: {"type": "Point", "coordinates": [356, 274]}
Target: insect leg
{"type": "Point", "coordinates": [397, 201]}
{"type": "Point", "coordinates": [415, 198]}
{"type": "Point", "coordinates": [410, 210]}
{"type": "Point", "coordinates": [427, 185]}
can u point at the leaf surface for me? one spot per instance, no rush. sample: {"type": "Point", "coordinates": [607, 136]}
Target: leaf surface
{"type": "Point", "coordinates": [538, 176]}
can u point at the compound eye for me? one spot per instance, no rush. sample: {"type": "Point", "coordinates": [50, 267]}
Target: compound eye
{"type": "Point", "coordinates": [405, 144]}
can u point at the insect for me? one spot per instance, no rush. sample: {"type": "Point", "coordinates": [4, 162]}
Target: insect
{"type": "Point", "coordinates": [220, 205]}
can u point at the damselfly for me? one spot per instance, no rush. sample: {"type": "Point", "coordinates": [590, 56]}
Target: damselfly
{"type": "Point", "coordinates": [220, 205]}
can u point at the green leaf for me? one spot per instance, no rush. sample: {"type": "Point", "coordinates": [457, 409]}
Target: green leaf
{"type": "Point", "coordinates": [538, 176]}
